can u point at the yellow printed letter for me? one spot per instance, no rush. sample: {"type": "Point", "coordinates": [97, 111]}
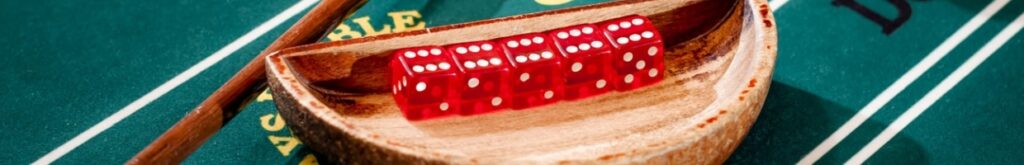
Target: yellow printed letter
{"type": "Point", "coordinates": [287, 147]}
{"type": "Point", "coordinates": [277, 125]}
{"type": "Point", "coordinates": [264, 96]}
{"type": "Point", "coordinates": [406, 20]}
{"type": "Point", "coordinates": [364, 22]}
{"type": "Point", "coordinates": [342, 31]}
{"type": "Point", "coordinates": [309, 159]}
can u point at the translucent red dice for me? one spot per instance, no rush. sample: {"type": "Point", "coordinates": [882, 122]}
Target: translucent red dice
{"type": "Point", "coordinates": [483, 86]}
{"type": "Point", "coordinates": [527, 70]}
{"type": "Point", "coordinates": [424, 82]}
{"type": "Point", "coordinates": [536, 77]}
{"type": "Point", "coordinates": [638, 58]}
{"type": "Point", "coordinates": [586, 64]}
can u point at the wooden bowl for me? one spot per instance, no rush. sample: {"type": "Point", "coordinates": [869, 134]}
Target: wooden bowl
{"type": "Point", "coordinates": [719, 60]}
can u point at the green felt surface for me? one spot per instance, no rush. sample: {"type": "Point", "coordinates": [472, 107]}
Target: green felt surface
{"type": "Point", "coordinates": [71, 64]}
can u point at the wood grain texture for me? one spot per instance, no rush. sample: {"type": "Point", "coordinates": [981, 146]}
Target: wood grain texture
{"type": "Point", "coordinates": [719, 59]}
{"type": "Point", "coordinates": [174, 145]}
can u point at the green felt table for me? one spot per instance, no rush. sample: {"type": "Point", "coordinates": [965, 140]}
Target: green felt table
{"type": "Point", "coordinates": [93, 82]}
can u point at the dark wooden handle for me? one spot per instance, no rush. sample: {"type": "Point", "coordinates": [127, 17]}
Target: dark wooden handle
{"type": "Point", "coordinates": [178, 142]}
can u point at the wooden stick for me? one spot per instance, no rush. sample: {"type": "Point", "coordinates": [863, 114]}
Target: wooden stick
{"type": "Point", "coordinates": [178, 142]}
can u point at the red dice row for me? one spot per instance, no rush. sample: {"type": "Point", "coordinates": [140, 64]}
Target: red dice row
{"type": "Point", "coordinates": [527, 70]}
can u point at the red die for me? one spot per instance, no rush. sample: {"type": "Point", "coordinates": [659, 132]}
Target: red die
{"type": "Point", "coordinates": [638, 59]}
{"type": "Point", "coordinates": [424, 82]}
{"type": "Point", "coordinates": [485, 72]}
{"type": "Point", "coordinates": [586, 66]}
{"type": "Point", "coordinates": [536, 77]}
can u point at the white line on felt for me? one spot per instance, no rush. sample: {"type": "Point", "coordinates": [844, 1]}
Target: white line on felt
{"type": "Point", "coordinates": [904, 81]}
{"type": "Point", "coordinates": [776, 4]}
{"type": "Point", "coordinates": [174, 82]}
{"type": "Point", "coordinates": [952, 80]}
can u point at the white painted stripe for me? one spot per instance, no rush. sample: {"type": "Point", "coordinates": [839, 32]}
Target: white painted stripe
{"type": "Point", "coordinates": [174, 82]}
{"type": "Point", "coordinates": [776, 4]}
{"type": "Point", "coordinates": [904, 81]}
{"type": "Point", "coordinates": [952, 80]}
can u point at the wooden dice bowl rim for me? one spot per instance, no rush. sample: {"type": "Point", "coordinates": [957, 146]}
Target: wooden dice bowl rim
{"type": "Point", "coordinates": [332, 97]}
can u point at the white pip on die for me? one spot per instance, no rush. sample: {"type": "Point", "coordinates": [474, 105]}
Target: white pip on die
{"type": "Point", "coordinates": [536, 70]}
{"type": "Point", "coordinates": [638, 58]}
{"type": "Point", "coordinates": [485, 74]}
{"type": "Point", "coordinates": [586, 63]}
{"type": "Point", "coordinates": [423, 82]}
